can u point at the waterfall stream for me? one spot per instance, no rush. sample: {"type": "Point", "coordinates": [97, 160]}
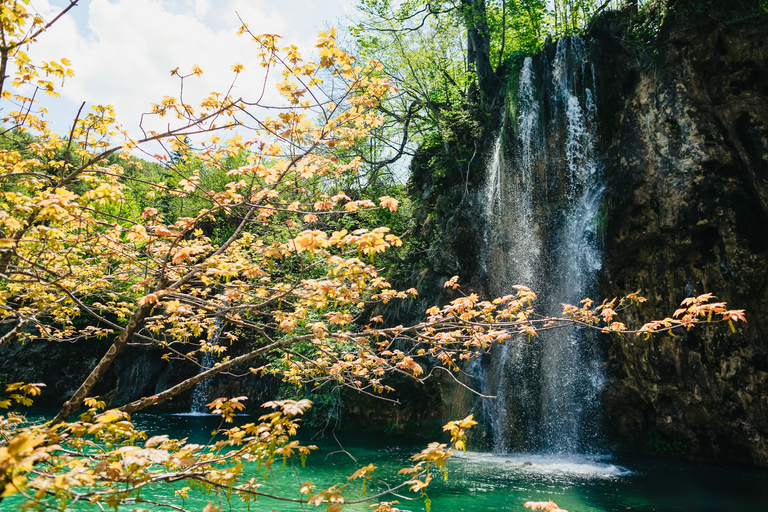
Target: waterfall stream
{"type": "Point", "coordinates": [542, 198]}
{"type": "Point", "coordinates": [202, 390]}
{"type": "Point", "coordinates": [200, 395]}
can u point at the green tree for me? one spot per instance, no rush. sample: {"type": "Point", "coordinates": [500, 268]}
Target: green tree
{"type": "Point", "coordinates": [448, 61]}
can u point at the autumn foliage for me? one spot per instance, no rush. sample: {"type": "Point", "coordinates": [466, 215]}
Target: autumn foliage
{"type": "Point", "coordinates": [547, 506]}
{"type": "Point", "coordinates": [75, 245]}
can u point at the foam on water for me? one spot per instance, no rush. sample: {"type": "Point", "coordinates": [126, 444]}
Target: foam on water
{"type": "Point", "coordinates": [550, 467]}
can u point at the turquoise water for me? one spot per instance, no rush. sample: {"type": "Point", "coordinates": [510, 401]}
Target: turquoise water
{"type": "Point", "coordinates": [481, 481]}
{"type": "Point", "coordinates": [486, 482]}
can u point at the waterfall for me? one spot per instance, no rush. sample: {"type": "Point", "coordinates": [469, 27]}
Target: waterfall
{"type": "Point", "coordinates": [542, 197]}
{"type": "Point", "coordinates": [202, 389]}
{"type": "Point", "coordinates": [200, 395]}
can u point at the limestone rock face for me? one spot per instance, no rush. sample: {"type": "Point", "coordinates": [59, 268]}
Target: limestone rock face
{"type": "Point", "coordinates": [686, 207]}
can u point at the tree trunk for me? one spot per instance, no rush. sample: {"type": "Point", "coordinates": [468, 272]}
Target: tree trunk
{"type": "Point", "coordinates": [192, 381]}
{"type": "Point", "coordinates": [73, 404]}
{"type": "Point", "coordinates": [479, 53]}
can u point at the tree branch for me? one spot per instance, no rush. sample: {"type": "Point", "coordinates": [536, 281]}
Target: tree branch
{"type": "Point", "coordinates": [185, 385]}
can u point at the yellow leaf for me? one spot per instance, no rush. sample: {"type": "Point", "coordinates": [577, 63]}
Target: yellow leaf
{"type": "Point", "coordinates": [24, 442]}
{"type": "Point", "coordinates": [181, 255]}
{"type": "Point", "coordinates": [388, 202]}
{"type": "Point", "coordinates": [148, 299]}
{"type": "Point", "coordinates": [15, 485]}
{"type": "Point", "coordinates": [155, 441]}
{"type": "Point", "coordinates": [364, 472]}
{"type": "Point", "coordinates": [111, 416]}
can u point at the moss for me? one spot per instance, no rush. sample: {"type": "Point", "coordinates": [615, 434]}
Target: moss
{"type": "Point", "coordinates": [659, 446]}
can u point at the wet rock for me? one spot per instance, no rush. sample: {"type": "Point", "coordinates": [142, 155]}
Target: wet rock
{"type": "Point", "coordinates": [687, 202]}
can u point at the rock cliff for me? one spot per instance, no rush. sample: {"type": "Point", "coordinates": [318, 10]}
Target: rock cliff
{"type": "Point", "coordinates": [686, 156]}
{"type": "Point", "coordinates": [684, 152]}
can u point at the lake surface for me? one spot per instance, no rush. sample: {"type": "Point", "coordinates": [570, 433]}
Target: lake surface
{"type": "Point", "coordinates": [487, 482]}
{"type": "Point", "coordinates": [482, 481]}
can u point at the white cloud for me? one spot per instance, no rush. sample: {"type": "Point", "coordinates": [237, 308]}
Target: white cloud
{"type": "Point", "coordinates": [122, 51]}
{"type": "Point", "coordinates": [202, 7]}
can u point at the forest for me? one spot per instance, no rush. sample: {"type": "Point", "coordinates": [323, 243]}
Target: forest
{"type": "Point", "coordinates": [494, 227]}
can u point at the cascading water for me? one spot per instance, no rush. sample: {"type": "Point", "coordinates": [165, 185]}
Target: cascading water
{"type": "Point", "coordinates": [202, 390]}
{"type": "Point", "coordinates": [200, 395]}
{"type": "Point", "coordinates": [541, 212]}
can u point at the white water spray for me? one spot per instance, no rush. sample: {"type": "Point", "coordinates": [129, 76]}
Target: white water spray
{"type": "Point", "coordinates": [541, 212]}
{"type": "Point", "coordinates": [200, 395]}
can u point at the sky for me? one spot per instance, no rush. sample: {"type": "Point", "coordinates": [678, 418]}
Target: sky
{"type": "Point", "coordinates": [122, 51]}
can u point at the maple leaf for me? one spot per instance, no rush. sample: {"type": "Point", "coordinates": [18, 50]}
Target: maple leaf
{"type": "Point", "coordinates": [152, 298]}
{"type": "Point", "coordinates": [364, 472]}
{"type": "Point", "coordinates": [163, 231]}
{"type": "Point", "coordinates": [181, 255]}
{"type": "Point", "coordinates": [452, 283]}
{"type": "Point", "coordinates": [389, 203]}
{"type": "Point", "coordinates": [155, 441]}
{"type": "Point", "coordinates": [548, 506]}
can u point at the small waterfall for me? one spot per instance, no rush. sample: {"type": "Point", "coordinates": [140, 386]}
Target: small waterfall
{"type": "Point", "coordinates": [202, 390]}
{"type": "Point", "coordinates": [493, 188]}
{"type": "Point", "coordinates": [201, 393]}
{"type": "Point", "coordinates": [513, 248]}
{"type": "Point", "coordinates": [513, 236]}
{"type": "Point", "coordinates": [542, 200]}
